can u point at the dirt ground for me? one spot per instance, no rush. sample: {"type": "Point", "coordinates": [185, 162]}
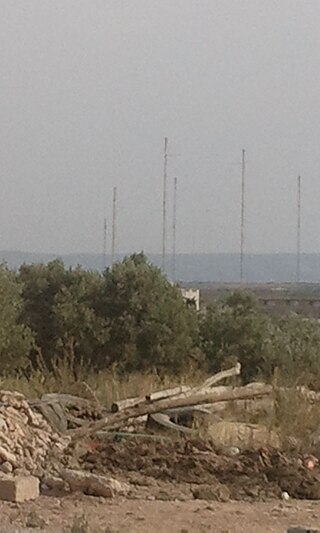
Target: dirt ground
{"type": "Point", "coordinates": [178, 486]}
{"type": "Point", "coordinates": [66, 515]}
{"type": "Point", "coordinates": [193, 469]}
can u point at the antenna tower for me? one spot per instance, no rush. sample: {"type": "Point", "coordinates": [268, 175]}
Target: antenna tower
{"type": "Point", "coordinates": [164, 204]}
{"type": "Point", "coordinates": [114, 215]}
{"type": "Point", "coordinates": [243, 169]}
{"type": "Point", "coordinates": [104, 249]}
{"type": "Point", "coordinates": [298, 230]}
{"type": "Point", "coordinates": [174, 229]}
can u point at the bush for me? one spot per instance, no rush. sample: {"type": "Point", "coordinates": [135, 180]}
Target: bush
{"type": "Point", "coordinates": [59, 307]}
{"type": "Point", "coordinates": [130, 316]}
{"type": "Point", "coordinates": [236, 329]}
{"type": "Point", "coordinates": [150, 325]}
{"type": "Point", "coordinates": [16, 339]}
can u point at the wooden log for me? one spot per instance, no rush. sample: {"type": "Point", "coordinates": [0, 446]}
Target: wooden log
{"type": "Point", "coordinates": [54, 407]}
{"type": "Point", "coordinates": [121, 405]}
{"type": "Point", "coordinates": [205, 408]}
{"type": "Point", "coordinates": [66, 400]}
{"type": "Point", "coordinates": [185, 392]}
{"type": "Point", "coordinates": [162, 405]}
{"type": "Point", "coordinates": [179, 392]}
{"type": "Point", "coordinates": [167, 393]}
{"type": "Point", "coordinates": [224, 374]}
{"type": "Point", "coordinates": [198, 392]}
{"type": "Point", "coordinates": [54, 415]}
{"type": "Point", "coordinates": [163, 420]}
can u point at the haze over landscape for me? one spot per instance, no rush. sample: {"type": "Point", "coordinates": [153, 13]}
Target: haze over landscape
{"type": "Point", "coordinates": [90, 89]}
{"type": "Point", "coordinates": [159, 266]}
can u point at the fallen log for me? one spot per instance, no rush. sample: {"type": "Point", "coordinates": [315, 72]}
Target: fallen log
{"type": "Point", "coordinates": [224, 374]}
{"type": "Point", "coordinates": [66, 400]}
{"type": "Point", "coordinates": [236, 393]}
{"type": "Point", "coordinates": [54, 407]}
{"type": "Point", "coordinates": [251, 404]}
{"type": "Point", "coordinates": [178, 392]}
{"type": "Point", "coordinates": [184, 391]}
{"type": "Point", "coordinates": [177, 411]}
{"type": "Point", "coordinates": [121, 405]}
{"type": "Point", "coordinates": [163, 420]}
{"type": "Point", "coordinates": [167, 393]}
{"type": "Point", "coordinates": [54, 413]}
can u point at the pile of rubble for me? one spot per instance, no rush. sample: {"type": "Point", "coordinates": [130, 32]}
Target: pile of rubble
{"type": "Point", "coordinates": [26, 438]}
{"type": "Point", "coordinates": [195, 468]}
{"type": "Point", "coordinates": [72, 443]}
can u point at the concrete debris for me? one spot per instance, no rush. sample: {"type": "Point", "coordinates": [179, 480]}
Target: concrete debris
{"type": "Point", "coordinates": [242, 435]}
{"type": "Point", "coordinates": [214, 492]}
{"type": "Point", "coordinates": [19, 489]}
{"type": "Point", "coordinates": [94, 484]}
{"type": "Point", "coordinates": [26, 438]}
{"type": "Point", "coordinates": [6, 467]}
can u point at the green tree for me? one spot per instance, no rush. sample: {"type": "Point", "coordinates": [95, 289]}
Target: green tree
{"type": "Point", "coordinates": [59, 307]}
{"type": "Point", "coordinates": [236, 329]}
{"type": "Point", "coordinates": [81, 331]}
{"type": "Point", "coordinates": [41, 283]}
{"type": "Point", "coordinates": [15, 339]}
{"type": "Point", "coordinates": [150, 325]}
{"type": "Point", "coordinates": [297, 350]}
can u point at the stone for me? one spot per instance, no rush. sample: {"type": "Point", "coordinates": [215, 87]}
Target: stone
{"type": "Point", "coordinates": [19, 489]}
{"type": "Point", "coordinates": [8, 456]}
{"type": "Point", "coordinates": [215, 492]}
{"type": "Point", "coordinates": [6, 467]}
{"type": "Point", "coordinates": [54, 483]}
{"type": "Point", "coordinates": [242, 435]}
{"type": "Point", "coordinates": [25, 437]}
{"type": "Point", "coordinates": [94, 484]}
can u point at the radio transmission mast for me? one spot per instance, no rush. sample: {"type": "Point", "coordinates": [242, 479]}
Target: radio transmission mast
{"type": "Point", "coordinates": [243, 169]}
{"type": "Point", "coordinates": [164, 204]}
{"type": "Point", "coordinates": [298, 274]}
{"type": "Point", "coordinates": [114, 218]}
{"type": "Point", "coordinates": [174, 229]}
{"type": "Point", "coordinates": [104, 249]}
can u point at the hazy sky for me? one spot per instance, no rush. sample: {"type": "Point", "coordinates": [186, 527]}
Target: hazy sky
{"type": "Point", "coordinates": [89, 89]}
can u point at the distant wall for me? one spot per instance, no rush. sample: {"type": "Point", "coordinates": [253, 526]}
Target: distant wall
{"type": "Point", "coordinates": [302, 306]}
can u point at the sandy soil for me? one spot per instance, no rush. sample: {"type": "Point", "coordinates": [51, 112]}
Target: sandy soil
{"type": "Point", "coordinates": [136, 516]}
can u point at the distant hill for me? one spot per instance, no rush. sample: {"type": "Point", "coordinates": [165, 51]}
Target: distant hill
{"type": "Point", "coordinates": [259, 268]}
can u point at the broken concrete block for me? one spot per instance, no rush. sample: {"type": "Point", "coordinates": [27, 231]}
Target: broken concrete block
{"type": "Point", "coordinates": [54, 483]}
{"type": "Point", "coordinates": [19, 489]}
{"type": "Point", "coordinates": [94, 484]}
{"type": "Point", "coordinates": [215, 492]}
{"type": "Point", "coordinates": [242, 435]}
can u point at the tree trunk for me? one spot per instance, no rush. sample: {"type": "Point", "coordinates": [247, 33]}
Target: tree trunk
{"type": "Point", "coordinates": [238, 393]}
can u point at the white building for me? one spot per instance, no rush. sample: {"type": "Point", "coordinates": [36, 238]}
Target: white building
{"type": "Point", "coordinates": [191, 297]}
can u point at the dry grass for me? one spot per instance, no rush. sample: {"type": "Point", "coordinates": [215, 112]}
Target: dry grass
{"type": "Point", "coordinates": [295, 420]}
{"type": "Point", "coordinates": [108, 386]}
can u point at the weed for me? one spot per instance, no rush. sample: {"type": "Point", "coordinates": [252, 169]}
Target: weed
{"type": "Point", "coordinates": [80, 524]}
{"type": "Point", "coordinates": [33, 520]}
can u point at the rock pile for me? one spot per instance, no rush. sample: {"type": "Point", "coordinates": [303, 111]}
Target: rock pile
{"type": "Point", "coordinates": [25, 437]}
